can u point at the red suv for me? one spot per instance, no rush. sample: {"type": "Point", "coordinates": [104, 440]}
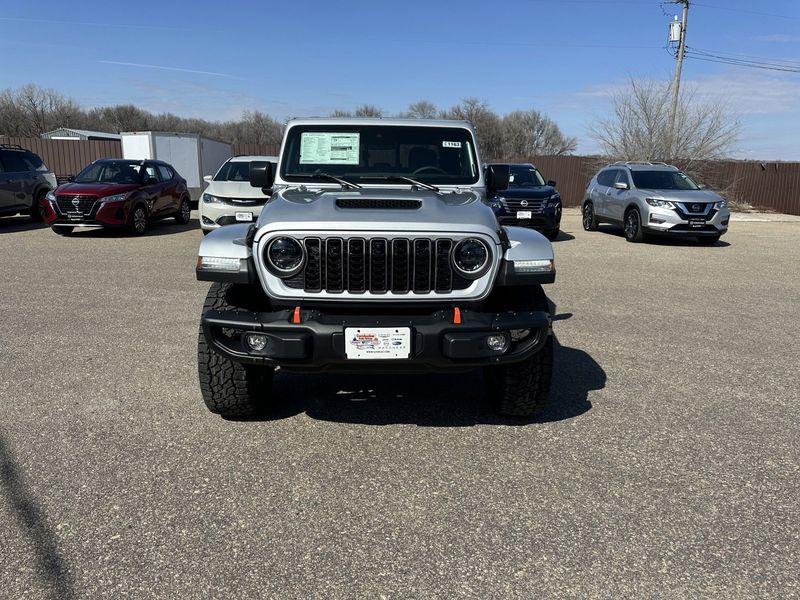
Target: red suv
{"type": "Point", "coordinates": [118, 193]}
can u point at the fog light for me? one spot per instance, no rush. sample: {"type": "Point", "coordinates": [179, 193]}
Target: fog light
{"type": "Point", "coordinates": [255, 341]}
{"type": "Point", "coordinates": [207, 221]}
{"type": "Point", "coordinates": [657, 220]}
{"type": "Point", "coordinates": [497, 342]}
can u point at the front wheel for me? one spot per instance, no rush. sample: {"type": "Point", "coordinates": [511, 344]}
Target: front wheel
{"type": "Point", "coordinates": [138, 220]}
{"type": "Point", "coordinates": [633, 226]}
{"type": "Point", "coordinates": [231, 389]}
{"type": "Point", "coordinates": [521, 389]}
{"type": "Point", "coordinates": [589, 220]}
{"type": "Point", "coordinates": [37, 210]}
{"type": "Point", "coordinates": [708, 240]}
{"type": "Point", "coordinates": [184, 212]}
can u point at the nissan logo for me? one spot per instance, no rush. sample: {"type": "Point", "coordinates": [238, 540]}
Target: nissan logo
{"type": "Point", "coordinates": [697, 207]}
{"type": "Point", "coordinates": [75, 202]}
{"type": "Point", "coordinates": [524, 203]}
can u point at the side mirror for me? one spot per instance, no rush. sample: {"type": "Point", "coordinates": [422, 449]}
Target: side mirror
{"type": "Point", "coordinates": [551, 183]}
{"type": "Point", "coordinates": [702, 186]}
{"type": "Point", "coordinates": [71, 178]}
{"type": "Point", "coordinates": [497, 177]}
{"type": "Point", "coordinates": [208, 178]}
{"type": "Point", "coordinates": [621, 185]}
{"type": "Point", "coordinates": [262, 174]}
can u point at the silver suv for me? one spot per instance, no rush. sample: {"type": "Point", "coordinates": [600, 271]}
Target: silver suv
{"type": "Point", "coordinates": [375, 251]}
{"type": "Point", "coordinates": [654, 198]}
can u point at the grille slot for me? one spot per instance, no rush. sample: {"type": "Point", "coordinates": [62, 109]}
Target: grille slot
{"type": "Point", "coordinates": [334, 265]}
{"type": "Point", "coordinates": [422, 265]}
{"type": "Point", "coordinates": [356, 266]}
{"type": "Point", "coordinates": [400, 267]}
{"type": "Point", "coordinates": [85, 204]}
{"type": "Point", "coordinates": [313, 269]}
{"type": "Point", "coordinates": [444, 272]}
{"type": "Point", "coordinates": [377, 266]}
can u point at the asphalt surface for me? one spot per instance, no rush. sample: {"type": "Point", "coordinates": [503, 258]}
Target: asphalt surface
{"type": "Point", "coordinates": [666, 465]}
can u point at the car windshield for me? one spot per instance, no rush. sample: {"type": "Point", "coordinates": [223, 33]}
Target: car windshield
{"type": "Point", "coordinates": [234, 171]}
{"type": "Point", "coordinates": [112, 171]}
{"type": "Point", "coordinates": [524, 176]}
{"type": "Point", "coordinates": [433, 155]}
{"type": "Point", "coordinates": [663, 180]}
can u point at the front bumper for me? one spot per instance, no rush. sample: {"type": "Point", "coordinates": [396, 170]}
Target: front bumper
{"type": "Point", "coordinates": [318, 341]}
{"type": "Point", "coordinates": [102, 214]}
{"type": "Point", "coordinates": [677, 223]}
{"type": "Point", "coordinates": [548, 219]}
{"type": "Point", "coordinates": [214, 215]}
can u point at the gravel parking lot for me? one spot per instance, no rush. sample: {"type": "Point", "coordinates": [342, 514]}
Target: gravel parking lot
{"type": "Point", "coordinates": [666, 465]}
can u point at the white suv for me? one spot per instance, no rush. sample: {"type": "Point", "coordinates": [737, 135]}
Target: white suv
{"type": "Point", "coordinates": [229, 197]}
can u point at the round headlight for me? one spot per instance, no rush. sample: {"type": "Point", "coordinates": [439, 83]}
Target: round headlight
{"type": "Point", "coordinates": [471, 258]}
{"type": "Point", "coordinates": [285, 256]}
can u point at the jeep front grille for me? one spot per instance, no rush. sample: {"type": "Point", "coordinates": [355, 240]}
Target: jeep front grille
{"type": "Point", "coordinates": [378, 266]}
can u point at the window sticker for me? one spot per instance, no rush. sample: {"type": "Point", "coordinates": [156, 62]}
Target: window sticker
{"type": "Point", "coordinates": [328, 148]}
{"type": "Point", "coordinates": [447, 144]}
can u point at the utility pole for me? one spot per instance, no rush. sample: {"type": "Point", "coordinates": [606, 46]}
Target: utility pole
{"type": "Point", "coordinates": [677, 83]}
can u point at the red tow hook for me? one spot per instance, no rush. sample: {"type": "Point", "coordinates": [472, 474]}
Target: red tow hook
{"type": "Point", "coordinates": [296, 315]}
{"type": "Point", "coordinates": [456, 316]}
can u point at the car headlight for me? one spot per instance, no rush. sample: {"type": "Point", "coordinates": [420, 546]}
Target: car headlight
{"type": "Point", "coordinates": [114, 198]}
{"type": "Point", "coordinates": [471, 258]}
{"type": "Point", "coordinates": [51, 196]}
{"type": "Point", "coordinates": [554, 199]}
{"type": "Point", "coordinates": [285, 256]}
{"type": "Point", "coordinates": [657, 202]}
{"type": "Point", "coordinates": [212, 199]}
{"type": "Point", "coordinates": [721, 204]}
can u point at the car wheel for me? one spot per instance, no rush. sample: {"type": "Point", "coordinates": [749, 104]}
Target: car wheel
{"type": "Point", "coordinates": [184, 212]}
{"type": "Point", "coordinates": [521, 389]}
{"type": "Point", "coordinates": [37, 210]}
{"type": "Point", "coordinates": [63, 230]}
{"type": "Point", "coordinates": [708, 240]}
{"type": "Point", "coordinates": [231, 389]}
{"type": "Point", "coordinates": [633, 226]}
{"type": "Point", "coordinates": [139, 220]}
{"type": "Point", "coordinates": [589, 220]}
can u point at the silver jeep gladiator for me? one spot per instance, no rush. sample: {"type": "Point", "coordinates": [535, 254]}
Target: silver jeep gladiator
{"type": "Point", "coordinates": [375, 251]}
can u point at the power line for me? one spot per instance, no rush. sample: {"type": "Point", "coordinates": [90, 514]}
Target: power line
{"type": "Point", "coordinates": [726, 60]}
{"type": "Point", "coordinates": [745, 10]}
{"type": "Point", "coordinates": [778, 62]}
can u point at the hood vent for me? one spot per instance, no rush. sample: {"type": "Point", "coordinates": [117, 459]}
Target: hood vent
{"type": "Point", "coordinates": [373, 203]}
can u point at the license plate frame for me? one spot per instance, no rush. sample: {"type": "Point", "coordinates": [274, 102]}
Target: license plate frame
{"type": "Point", "coordinates": [243, 217]}
{"type": "Point", "coordinates": [697, 223]}
{"type": "Point", "coordinates": [524, 214]}
{"type": "Point", "coordinates": [377, 343]}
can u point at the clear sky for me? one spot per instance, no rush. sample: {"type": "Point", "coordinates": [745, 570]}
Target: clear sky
{"type": "Point", "coordinates": [308, 57]}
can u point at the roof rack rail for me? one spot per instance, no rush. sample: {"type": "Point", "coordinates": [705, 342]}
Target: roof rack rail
{"type": "Point", "coordinates": [11, 146]}
{"type": "Point", "coordinates": [641, 162]}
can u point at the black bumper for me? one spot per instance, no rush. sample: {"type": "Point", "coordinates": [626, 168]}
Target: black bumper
{"type": "Point", "coordinates": [546, 221]}
{"type": "Point", "coordinates": [318, 341]}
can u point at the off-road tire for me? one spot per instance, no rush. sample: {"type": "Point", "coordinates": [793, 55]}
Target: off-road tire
{"type": "Point", "coordinates": [231, 389]}
{"type": "Point", "coordinates": [184, 214]}
{"type": "Point", "coordinates": [588, 219]}
{"type": "Point", "coordinates": [633, 226]}
{"type": "Point", "coordinates": [520, 389]}
{"type": "Point", "coordinates": [63, 230]}
{"type": "Point", "coordinates": [708, 240]}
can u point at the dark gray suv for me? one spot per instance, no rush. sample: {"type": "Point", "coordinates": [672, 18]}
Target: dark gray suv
{"type": "Point", "coordinates": [24, 182]}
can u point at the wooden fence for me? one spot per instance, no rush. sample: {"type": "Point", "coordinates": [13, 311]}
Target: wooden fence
{"type": "Point", "coordinates": [769, 185]}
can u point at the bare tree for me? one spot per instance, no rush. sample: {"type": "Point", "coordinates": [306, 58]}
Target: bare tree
{"type": "Point", "coordinates": [368, 110]}
{"type": "Point", "coordinates": [421, 110]}
{"type": "Point", "coordinates": [486, 122]}
{"type": "Point", "coordinates": [32, 110]}
{"type": "Point", "coordinates": [530, 133]}
{"type": "Point", "coordinates": [638, 126]}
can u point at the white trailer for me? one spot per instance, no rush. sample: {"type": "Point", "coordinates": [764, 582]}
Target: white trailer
{"type": "Point", "coordinates": [192, 155]}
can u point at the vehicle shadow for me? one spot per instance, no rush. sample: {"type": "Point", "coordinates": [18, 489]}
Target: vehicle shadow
{"type": "Point", "coordinates": [436, 400]}
{"type": "Point", "coordinates": [563, 236]}
{"type": "Point", "coordinates": [19, 223]}
{"type": "Point", "coordinates": [166, 226]}
{"type": "Point", "coordinates": [51, 566]}
{"type": "Point", "coordinates": [660, 240]}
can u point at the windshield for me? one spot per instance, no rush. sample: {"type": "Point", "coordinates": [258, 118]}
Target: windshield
{"type": "Point", "coordinates": [663, 180]}
{"type": "Point", "coordinates": [233, 171]}
{"type": "Point", "coordinates": [112, 171]}
{"type": "Point", "coordinates": [440, 155]}
{"type": "Point", "coordinates": [524, 176]}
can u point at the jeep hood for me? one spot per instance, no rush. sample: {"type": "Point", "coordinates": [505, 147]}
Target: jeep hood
{"type": "Point", "coordinates": [373, 209]}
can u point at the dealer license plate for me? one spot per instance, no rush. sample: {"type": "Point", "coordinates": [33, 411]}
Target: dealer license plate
{"type": "Point", "coordinates": [365, 343]}
{"type": "Point", "coordinates": [524, 214]}
{"type": "Point", "coordinates": [75, 216]}
{"type": "Point", "coordinates": [244, 216]}
{"type": "Point", "coordinates": [697, 222]}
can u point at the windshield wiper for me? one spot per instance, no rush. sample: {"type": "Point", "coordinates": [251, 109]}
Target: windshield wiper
{"type": "Point", "coordinates": [426, 186]}
{"type": "Point", "coordinates": [319, 175]}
